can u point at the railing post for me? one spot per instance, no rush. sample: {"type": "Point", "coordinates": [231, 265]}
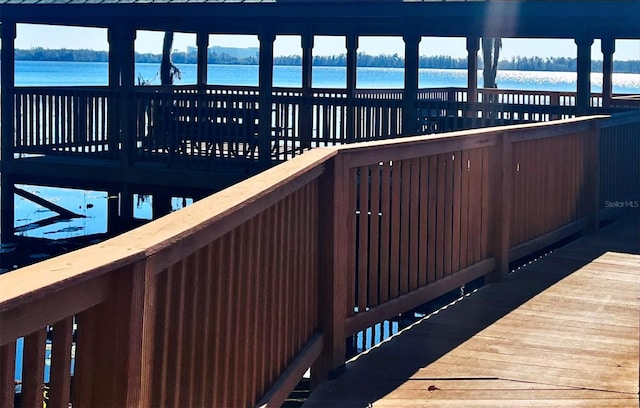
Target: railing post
{"type": "Point", "coordinates": [502, 204]}
{"type": "Point", "coordinates": [335, 252]}
{"type": "Point", "coordinates": [109, 356]}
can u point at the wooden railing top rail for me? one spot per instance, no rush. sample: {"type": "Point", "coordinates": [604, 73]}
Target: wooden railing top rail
{"type": "Point", "coordinates": [223, 211]}
{"type": "Point", "coordinates": [416, 146]}
{"type": "Point", "coordinates": [190, 229]}
{"type": "Point", "coordinates": [622, 118]}
{"type": "Point", "coordinates": [227, 209]}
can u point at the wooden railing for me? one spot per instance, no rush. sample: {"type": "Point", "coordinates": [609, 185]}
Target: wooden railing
{"type": "Point", "coordinates": [65, 121]}
{"type": "Point", "coordinates": [213, 126]}
{"type": "Point", "coordinates": [214, 312]}
{"type": "Point", "coordinates": [229, 301]}
{"type": "Point", "coordinates": [619, 161]}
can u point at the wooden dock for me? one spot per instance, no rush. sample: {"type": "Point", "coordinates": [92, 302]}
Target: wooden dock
{"type": "Point", "coordinates": [562, 331]}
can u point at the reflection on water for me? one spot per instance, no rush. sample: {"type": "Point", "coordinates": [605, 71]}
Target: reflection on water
{"type": "Point", "coordinates": [41, 233]}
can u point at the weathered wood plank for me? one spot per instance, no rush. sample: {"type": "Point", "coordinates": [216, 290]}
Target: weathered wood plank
{"type": "Point", "coordinates": [559, 332]}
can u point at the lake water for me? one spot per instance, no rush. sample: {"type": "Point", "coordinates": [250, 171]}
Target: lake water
{"type": "Point", "coordinates": [95, 73]}
{"type": "Point", "coordinates": [92, 205]}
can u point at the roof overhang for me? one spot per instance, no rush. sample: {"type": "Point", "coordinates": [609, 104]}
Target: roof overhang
{"type": "Point", "coordinates": [506, 19]}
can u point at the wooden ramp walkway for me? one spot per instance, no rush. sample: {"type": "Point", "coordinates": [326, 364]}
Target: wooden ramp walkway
{"type": "Point", "coordinates": [560, 332]}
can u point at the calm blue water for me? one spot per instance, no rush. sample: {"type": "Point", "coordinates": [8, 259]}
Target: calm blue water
{"type": "Point", "coordinates": [95, 73]}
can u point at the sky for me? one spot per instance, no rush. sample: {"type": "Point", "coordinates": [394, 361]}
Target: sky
{"type": "Point", "coordinates": [30, 36]}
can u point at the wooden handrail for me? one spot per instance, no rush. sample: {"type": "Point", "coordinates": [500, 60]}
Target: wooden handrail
{"type": "Point", "coordinates": [267, 277]}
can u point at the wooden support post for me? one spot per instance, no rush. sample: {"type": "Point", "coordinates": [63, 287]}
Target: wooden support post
{"type": "Point", "coordinates": [608, 46]}
{"type": "Point", "coordinates": [583, 91]}
{"type": "Point", "coordinates": [473, 45]}
{"type": "Point", "coordinates": [336, 242]}
{"type": "Point", "coordinates": [113, 212]}
{"type": "Point", "coordinates": [7, 208]}
{"type": "Point", "coordinates": [126, 207]}
{"type": "Point", "coordinates": [306, 113]}
{"type": "Point", "coordinates": [352, 67]}
{"type": "Point", "coordinates": [202, 42]}
{"type": "Point", "coordinates": [265, 84]}
{"type": "Point", "coordinates": [161, 205]}
{"type": "Point", "coordinates": [122, 78]}
{"type": "Point", "coordinates": [7, 83]}
{"type": "Point", "coordinates": [410, 94]}
{"type": "Point", "coordinates": [109, 356]}
{"type": "Point", "coordinates": [502, 204]}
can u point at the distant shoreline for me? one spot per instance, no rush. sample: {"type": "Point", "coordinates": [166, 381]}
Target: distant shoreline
{"type": "Point", "coordinates": [364, 60]}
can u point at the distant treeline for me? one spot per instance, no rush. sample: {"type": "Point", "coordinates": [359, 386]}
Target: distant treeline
{"type": "Point", "coordinates": [364, 60]}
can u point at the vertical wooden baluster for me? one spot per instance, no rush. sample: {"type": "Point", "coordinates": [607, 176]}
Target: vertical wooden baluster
{"type": "Point", "coordinates": [396, 199]}
{"type": "Point", "coordinates": [486, 216]}
{"type": "Point", "coordinates": [192, 335]}
{"type": "Point", "coordinates": [374, 237]}
{"type": "Point", "coordinates": [7, 374]}
{"type": "Point", "coordinates": [440, 214]}
{"type": "Point", "coordinates": [60, 382]}
{"type": "Point", "coordinates": [363, 242]}
{"type": "Point", "coordinates": [385, 238]}
{"type": "Point", "coordinates": [448, 212]}
{"type": "Point", "coordinates": [423, 222]}
{"type": "Point", "coordinates": [457, 208]}
{"type": "Point", "coordinates": [464, 208]}
{"type": "Point", "coordinates": [433, 219]}
{"type": "Point", "coordinates": [33, 369]}
{"type": "Point", "coordinates": [404, 221]}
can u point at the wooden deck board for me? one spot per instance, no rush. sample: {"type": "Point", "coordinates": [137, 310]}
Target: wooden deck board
{"type": "Point", "coordinates": [561, 332]}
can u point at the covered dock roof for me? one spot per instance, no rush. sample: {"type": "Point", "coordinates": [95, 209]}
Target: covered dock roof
{"type": "Point", "coordinates": [506, 18]}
